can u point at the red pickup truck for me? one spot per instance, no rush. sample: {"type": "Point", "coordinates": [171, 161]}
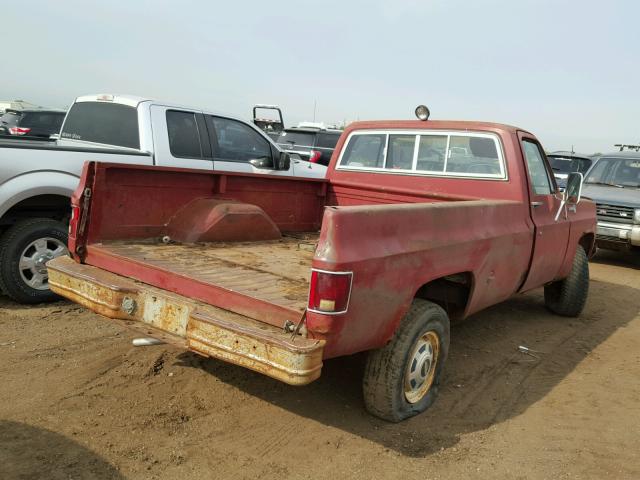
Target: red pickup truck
{"type": "Point", "coordinates": [417, 223]}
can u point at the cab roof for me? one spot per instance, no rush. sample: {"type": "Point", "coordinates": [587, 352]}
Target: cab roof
{"type": "Point", "coordinates": [462, 125]}
{"type": "Point", "coordinates": [130, 100]}
{"type": "Point", "coordinates": [566, 153]}
{"type": "Point", "coordinates": [623, 154]}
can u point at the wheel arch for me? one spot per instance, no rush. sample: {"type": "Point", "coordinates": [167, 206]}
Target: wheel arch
{"type": "Point", "coordinates": [588, 242]}
{"type": "Point", "coordinates": [452, 292]}
{"type": "Point", "coordinates": [45, 194]}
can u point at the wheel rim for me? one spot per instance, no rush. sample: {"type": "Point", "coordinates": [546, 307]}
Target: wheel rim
{"type": "Point", "coordinates": [32, 263]}
{"type": "Point", "coordinates": [421, 367]}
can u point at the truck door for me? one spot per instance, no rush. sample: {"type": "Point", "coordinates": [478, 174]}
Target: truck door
{"type": "Point", "coordinates": [238, 147]}
{"type": "Point", "coordinates": [551, 235]}
{"type": "Point", "coordinates": [180, 138]}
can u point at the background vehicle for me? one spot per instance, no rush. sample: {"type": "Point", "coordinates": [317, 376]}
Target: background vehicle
{"type": "Point", "coordinates": [269, 125]}
{"type": "Point", "coordinates": [275, 274]}
{"type": "Point", "coordinates": [312, 143]}
{"type": "Point", "coordinates": [31, 123]}
{"type": "Point", "coordinates": [37, 179]}
{"type": "Point", "coordinates": [563, 163]}
{"type": "Point", "coordinates": [614, 184]}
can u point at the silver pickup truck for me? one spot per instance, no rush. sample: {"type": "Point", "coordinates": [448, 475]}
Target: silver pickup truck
{"type": "Point", "coordinates": [37, 178]}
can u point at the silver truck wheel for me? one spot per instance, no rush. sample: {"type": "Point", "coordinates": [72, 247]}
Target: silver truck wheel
{"type": "Point", "coordinates": [32, 263]}
{"type": "Point", "coordinates": [25, 248]}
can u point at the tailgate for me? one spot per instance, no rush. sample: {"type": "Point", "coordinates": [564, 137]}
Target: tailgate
{"type": "Point", "coordinates": [202, 328]}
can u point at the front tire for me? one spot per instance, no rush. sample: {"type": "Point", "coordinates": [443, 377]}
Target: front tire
{"type": "Point", "coordinates": [402, 378]}
{"type": "Point", "coordinates": [24, 250]}
{"type": "Point", "coordinates": [567, 297]}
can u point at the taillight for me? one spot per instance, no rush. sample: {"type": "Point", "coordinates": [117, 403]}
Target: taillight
{"type": "Point", "coordinates": [73, 221]}
{"type": "Point", "coordinates": [19, 130]}
{"type": "Point", "coordinates": [315, 156]}
{"type": "Point", "coordinates": [330, 291]}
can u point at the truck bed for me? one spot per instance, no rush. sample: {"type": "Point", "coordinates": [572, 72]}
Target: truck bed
{"type": "Point", "coordinates": [274, 272]}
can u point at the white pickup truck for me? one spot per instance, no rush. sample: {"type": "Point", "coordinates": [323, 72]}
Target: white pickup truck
{"type": "Point", "coordinates": [37, 178]}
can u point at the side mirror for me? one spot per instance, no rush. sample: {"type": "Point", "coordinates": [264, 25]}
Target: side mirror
{"type": "Point", "coordinates": [571, 194]}
{"type": "Point", "coordinates": [573, 191]}
{"type": "Point", "coordinates": [54, 136]}
{"type": "Point", "coordinates": [284, 161]}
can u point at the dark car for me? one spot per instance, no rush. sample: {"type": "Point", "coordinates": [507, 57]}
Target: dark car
{"type": "Point", "coordinates": [31, 123]}
{"type": "Point", "coordinates": [313, 144]}
{"type": "Point", "coordinates": [613, 182]}
{"type": "Point", "coordinates": [564, 163]}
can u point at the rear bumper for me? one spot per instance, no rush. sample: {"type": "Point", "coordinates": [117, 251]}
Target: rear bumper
{"type": "Point", "coordinates": [618, 233]}
{"type": "Point", "coordinates": [205, 329]}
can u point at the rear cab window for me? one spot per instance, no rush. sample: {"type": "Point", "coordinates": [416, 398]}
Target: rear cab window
{"type": "Point", "coordinates": [327, 140]}
{"type": "Point", "coordinates": [103, 122]}
{"type": "Point", "coordinates": [561, 164]}
{"type": "Point", "coordinates": [435, 153]}
{"type": "Point", "coordinates": [288, 139]}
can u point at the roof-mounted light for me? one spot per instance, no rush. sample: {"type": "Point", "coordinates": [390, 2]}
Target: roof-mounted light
{"type": "Point", "coordinates": [422, 112]}
{"type": "Point", "coordinates": [105, 98]}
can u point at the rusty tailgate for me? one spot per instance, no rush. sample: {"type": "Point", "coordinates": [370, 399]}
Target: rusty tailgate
{"type": "Point", "coordinates": [205, 329]}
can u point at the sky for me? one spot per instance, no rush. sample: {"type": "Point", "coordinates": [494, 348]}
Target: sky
{"type": "Point", "coordinates": [568, 71]}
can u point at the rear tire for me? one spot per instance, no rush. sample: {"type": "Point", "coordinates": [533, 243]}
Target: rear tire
{"type": "Point", "coordinates": [24, 250]}
{"type": "Point", "coordinates": [402, 378]}
{"type": "Point", "coordinates": [567, 297]}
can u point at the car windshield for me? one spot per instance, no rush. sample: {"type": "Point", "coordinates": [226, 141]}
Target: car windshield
{"type": "Point", "coordinates": [569, 164]}
{"type": "Point", "coordinates": [617, 172]}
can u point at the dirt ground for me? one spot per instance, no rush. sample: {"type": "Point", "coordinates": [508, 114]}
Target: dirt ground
{"type": "Point", "coordinates": [78, 401]}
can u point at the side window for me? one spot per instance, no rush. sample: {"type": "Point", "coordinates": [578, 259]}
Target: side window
{"type": "Point", "coordinates": [431, 153]}
{"type": "Point", "coordinates": [469, 154]}
{"type": "Point", "coordinates": [400, 152]}
{"type": "Point", "coordinates": [365, 151]}
{"type": "Point", "coordinates": [184, 138]}
{"type": "Point", "coordinates": [537, 170]}
{"type": "Point", "coordinates": [238, 142]}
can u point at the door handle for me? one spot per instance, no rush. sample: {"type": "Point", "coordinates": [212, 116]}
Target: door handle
{"type": "Point", "coordinates": [536, 204]}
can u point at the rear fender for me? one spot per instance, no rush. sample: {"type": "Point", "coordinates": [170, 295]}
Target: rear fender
{"type": "Point", "coordinates": [30, 185]}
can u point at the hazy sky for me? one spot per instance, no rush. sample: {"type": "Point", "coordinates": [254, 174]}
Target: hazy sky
{"type": "Point", "coordinates": [566, 70]}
